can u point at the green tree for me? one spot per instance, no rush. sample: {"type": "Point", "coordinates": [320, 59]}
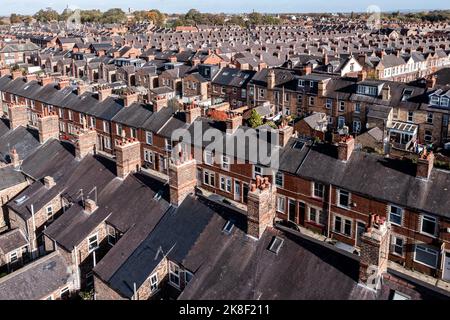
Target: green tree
{"type": "Point", "coordinates": [156, 17]}
{"type": "Point", "coordinates": [15, 18]}
{"type": "Point", "coordinates": [115, 15]}
{"type": "Point", "coordinates": [46, 15]}
{"type": "Point", "coordinates": [91, 16]}
{"type": "Point", "coordinates": [255, 119]}
{"type": "Point", "coordinates": [255, 18]}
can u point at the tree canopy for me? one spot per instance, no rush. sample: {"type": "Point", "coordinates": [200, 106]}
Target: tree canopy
{"type": "Point", "coordinates": [255, 119]}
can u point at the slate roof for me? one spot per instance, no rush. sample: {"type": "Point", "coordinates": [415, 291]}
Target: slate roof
{"type": "Point", "coordinates": [10, 177]}
{"type": "Point", "coordinates": [235, 267]}
{"type": "Point", "coordinates": [372, 175]}
{"type": "Point", "coordinates": [12, 240]}
{"type": "Point", "coordinates": [36, 280]}
{"type": "Point", "coordinates": [24, 140]}
{"type": "Point", "coordinates": [233, 77]}
{"type": "Point", "coordinates": [134, 115]}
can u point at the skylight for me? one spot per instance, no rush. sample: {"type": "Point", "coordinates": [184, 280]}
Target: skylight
{"type": "Point", "coordinates": [21, 200]}
{"type": "Point", "coordinates": [276, 245]}
{"type": "Point", "coordinates": [228, 227]}
{"type": "Point", "coordinates": [298, 145]}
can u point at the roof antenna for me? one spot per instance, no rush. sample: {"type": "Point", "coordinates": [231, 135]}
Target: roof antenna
{"type": "Point", "coordinates": [81, 196]}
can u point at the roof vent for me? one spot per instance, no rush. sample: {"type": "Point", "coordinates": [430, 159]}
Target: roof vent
{"type": "Point", "coordinates": [276, 244]}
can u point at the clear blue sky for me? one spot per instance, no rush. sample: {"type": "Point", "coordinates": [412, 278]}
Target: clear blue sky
{"type": "Point", "coordinates": [228, 6]}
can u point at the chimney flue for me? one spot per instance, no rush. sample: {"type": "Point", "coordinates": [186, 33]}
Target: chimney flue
{"type": "Point", "coordinates": [345, 148]}
{"type": "Point", "coordinates": [425, 164]}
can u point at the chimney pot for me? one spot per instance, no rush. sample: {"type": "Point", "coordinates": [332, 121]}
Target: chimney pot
{"type": "Point", "coordinates": [90, 206]}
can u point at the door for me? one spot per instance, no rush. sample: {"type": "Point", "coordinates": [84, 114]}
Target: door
{"type": "Point", "coordinates": [237, 190]}
{"type": "Point", "coordinates": [245, 192]}
{"type": "Point", "coordinates": [291, 210]}
{"type": "Point", "coordinates": [301, 213]}
{"type": "Point", "coordinates": [360, 229]}
{"type": "Point", "coordinates": [446, 270]}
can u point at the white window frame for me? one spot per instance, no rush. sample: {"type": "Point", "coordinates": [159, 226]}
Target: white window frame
{"type": "Point", "coordinates": [62, 291]}
{"type": "Point", "coordinates": [149, 137]}
{"type": "Point", "coordinates": [208, 157]}
{"type": "Point", "coordinates": [89, 242]}
{"type": "Point", "coordinates": [279, 176]}
{"type": "Point", "coordinates": [257, 168]}
{"type": "Point", "coordinates": [49, 213]}
{"type": "Point", "coordinates": [149, 156]}
{"type": "Point", "coordinates": [314, 190]}
{"type": "Point", "coordinates": [154, 282]}
{"type": "Point", "coordinates": [225, 163]}
{"type": "Point", "coordinates": [394, 244]}
{"type": "Point", "coordinates": [318, 213]}
{"type": "Point", "coordinates": [429, 218]}
{"type": "Point", "coordinates": [390, 212]}
{"type": "Point", "coordinates": [209, 174]}
{"type": "Point", "coordinates": [111, 234]}
{"type": "Point", "coordinates": [281, 204]}
{"type": "Point", "coordinates": [11, 254]}
{"type": "Point", "coordinates": [339, 204]}
{"type": "Point", "coordinates": [174, 273]}
{"type": "Point", "coordinates": [225, 184]}
{"type": "Point", "coordinates": [343, 223]}
{"type": "Point", "coordinates": [428, 250]}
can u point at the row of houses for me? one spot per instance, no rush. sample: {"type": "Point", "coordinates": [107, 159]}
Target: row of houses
{"type": "Point", "coordinates": [335, 203]}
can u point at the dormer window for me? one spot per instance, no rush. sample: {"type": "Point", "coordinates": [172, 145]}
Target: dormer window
{"type": "Point", "coordinates": [301, 83]}
{"type": "Point", "coordinates": [407, 93]}
{"type": "Point", "coordinates": [367, 90]}
{"type": "Point", "coordinates": [434, 100]}
{"type": "Point", "coordinates": [444, 102]}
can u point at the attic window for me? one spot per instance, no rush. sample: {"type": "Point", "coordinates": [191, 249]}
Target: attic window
{"type": "Point", "coordinates": [298, 145]}
{"type": "Point", "coordinates": [276, 244]}
{"type": "Point", "coordinates": [21, 200]}
{"type": "Point", "coordinates": [407, 93]}
{"type": "Point", "coordinates": [228, 227]}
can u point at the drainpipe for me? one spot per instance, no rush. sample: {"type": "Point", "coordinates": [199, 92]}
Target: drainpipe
{"type": "Point", "coordinates": [329, 212]}
{"type": "Point", "coordinates": [34, 232]}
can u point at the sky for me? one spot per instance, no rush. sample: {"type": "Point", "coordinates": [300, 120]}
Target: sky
{"type": "Point", "coordinates": [229, 6]}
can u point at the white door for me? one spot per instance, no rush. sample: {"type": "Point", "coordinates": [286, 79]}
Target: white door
{"type": "Point", "coordinates": [237, 191]}
{"type": "Point", "coordinates": [446, 272]}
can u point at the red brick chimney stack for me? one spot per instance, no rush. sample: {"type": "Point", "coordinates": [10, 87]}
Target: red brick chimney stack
{"type": "Point", "coordinates": [425, 164]}
{"type": "Point", "coordinates": [128, 157]}
{"type": "Point", "coordinates": [374, 251]}
{"type": "Point", "coordinates": [48, 125]}
{"type": "Point", "coordinates": [285, 132]}
{"type": "Point", "coordinates": [233, 122]}
{"type": "Point", "coordinates": [182, 177]}
{"type": "Point", "coordinates": [17, 115]}
{"type": "Point", "coordinates": [86, 143]}
{"type": "Point", "coordinates": [129, 98]}
{"type": "Point", "coordinates": [260, 207]}
{"type": "Point", "coordinates": [345, 148]}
